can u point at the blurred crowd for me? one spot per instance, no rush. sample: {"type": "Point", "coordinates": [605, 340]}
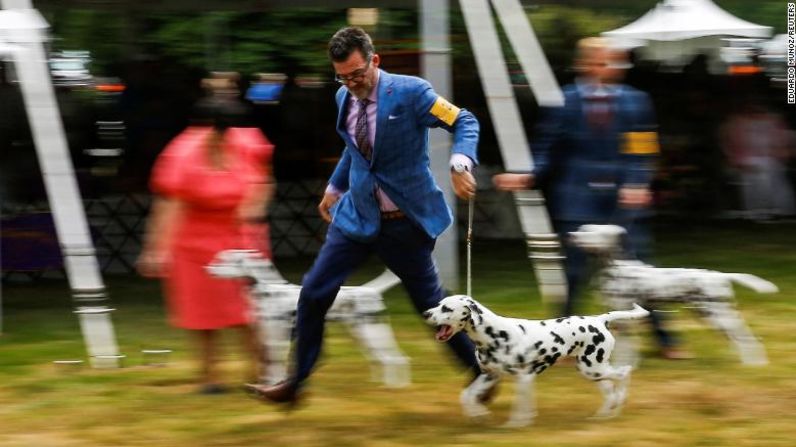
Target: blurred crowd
{"type": "Point", "coordinates": [699, 170]}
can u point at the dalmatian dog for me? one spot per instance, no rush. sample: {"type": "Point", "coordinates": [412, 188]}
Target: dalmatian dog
{"type": "Point", "coordinates": [709, 292]}
{"type": "Point", "coordinates": [361, 308]}
{"type": "Point", "coordinates": [525, 348]}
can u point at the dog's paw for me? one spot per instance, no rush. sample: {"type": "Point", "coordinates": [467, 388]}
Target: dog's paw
{"type": "Point", "coordinates": [602, 415]}
{"type": "Point", "coordinates": [519, 421]}
{"type": "Point", "coordinates": [754, 357]}
{"type": "Point", "coordinates": [470, 405]}
{"type": "Point", "coordinates": [756, 362]}
{"type": "Point", "coordinates": [475, 411]}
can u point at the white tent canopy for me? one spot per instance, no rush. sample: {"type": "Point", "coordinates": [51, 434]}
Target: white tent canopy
{"type": "Point", "coordinates": [676, 30]}
{"type": "Point", "coordinates": [687, 19]}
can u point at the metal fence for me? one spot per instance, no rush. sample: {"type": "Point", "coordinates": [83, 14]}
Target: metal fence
{"type": "Point", "coordinates": [118, 223]}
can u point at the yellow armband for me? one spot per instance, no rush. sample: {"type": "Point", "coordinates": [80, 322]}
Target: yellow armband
{"type": "Point", "coordinates": [445, 111]}
{"type": "Point", "coordinates": [640, 143]}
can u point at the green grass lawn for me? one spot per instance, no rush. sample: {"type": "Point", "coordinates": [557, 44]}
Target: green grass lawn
{"type": "Point", "coordinates": [712, 400]}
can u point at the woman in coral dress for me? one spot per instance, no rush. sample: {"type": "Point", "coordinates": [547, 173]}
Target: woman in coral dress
{"type": "Point", "coordinates": [212, 186]}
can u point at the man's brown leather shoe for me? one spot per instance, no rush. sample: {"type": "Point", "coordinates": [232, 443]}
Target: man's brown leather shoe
{"type": "Point", "coordinates": [282, 392]}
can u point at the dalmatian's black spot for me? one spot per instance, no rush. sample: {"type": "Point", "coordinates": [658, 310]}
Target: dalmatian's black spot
{"type": "Point", "coordinates": [520, 359]}
{"type": "Point", "coordinates": [537, 344]}
{"type": "Point", "coordinates": [600, 355]}
{"type": "Point", "coordinates": [542, 351]}
{"type": "Point", "coordinates": [573, 334]}
{"type": "Point", "coordinates": [537, 367]}
{"type": "Point", "coordinates": [504, 334]}
{"type": "Point", "coordinates": [554, 349]}
{"type": "Point", "coordinates": [523, 329]}
{"type": "Point", "coordinates": [589, 350]}
{"type": "Point", "coordinates": [571, 348]}
{"type": "Point", "coordinates": [598, 339]}
{"type": "Point", "coordinates": [557, 338]}
{"type": "Point", "coordinates": [585, 360]}
{"type": "Point", "coordinates": [543, 323]}
{"type": "Point", "coordinates": [445, 309]}
{"type": "Point", "coordinates": [475, 308]}
{"type": "Point", "coordinates": [489, 331]}
{"type": "Point", "coordinates": [480, 319]}
{"type": "Point", "coordinates": [559, 320]}
{"type": "Point", "coordinates": [582, 329]}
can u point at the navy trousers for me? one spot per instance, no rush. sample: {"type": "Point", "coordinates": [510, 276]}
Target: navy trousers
{"type": "Point", "coordinates": [405, 249]}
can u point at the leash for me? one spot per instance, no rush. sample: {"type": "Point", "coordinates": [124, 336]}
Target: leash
{"type": "Point", "coordinates": [470, 209]}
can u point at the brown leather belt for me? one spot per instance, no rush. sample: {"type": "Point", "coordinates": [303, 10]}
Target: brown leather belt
{"type": "Point", "coordinates": [392, 215]}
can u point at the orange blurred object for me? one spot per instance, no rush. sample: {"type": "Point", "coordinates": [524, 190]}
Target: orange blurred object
{"type": "Point", "coordinates": [110, 88]}
{"type": "Point", "coordinates": [744, 70]}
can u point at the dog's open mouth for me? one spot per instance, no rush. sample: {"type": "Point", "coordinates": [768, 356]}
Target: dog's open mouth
{"type": "Point", "coordinates": [444, 332]}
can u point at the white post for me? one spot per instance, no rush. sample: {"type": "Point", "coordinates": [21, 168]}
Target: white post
{"type": "Point", "coordinates": [24, 28]}
{"type": "Point", "coordinates": [436, 69]}
{"type": "Point", "coordinates": [543, 245]}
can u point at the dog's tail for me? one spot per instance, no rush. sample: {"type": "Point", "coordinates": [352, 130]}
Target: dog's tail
{"type": "Point", "coordinates": [753, 282]}
{"type": "Point", "coordinates": [633, 314]}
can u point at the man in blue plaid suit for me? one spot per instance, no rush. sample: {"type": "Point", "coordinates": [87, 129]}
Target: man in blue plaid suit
{"type": "Point", "coordinates": [594, 158]}
{"type": "Point", "coordinates": [381, 198]}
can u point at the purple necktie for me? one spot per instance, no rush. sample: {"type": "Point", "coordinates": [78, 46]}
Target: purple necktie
{"type": "Point", "coordinates": [363, 142]}
{"type": "Point", "coordinates": [598, 112]}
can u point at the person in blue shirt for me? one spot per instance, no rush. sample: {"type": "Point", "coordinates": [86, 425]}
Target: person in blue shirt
{"type": "Point", "coordinates": [594, 159]}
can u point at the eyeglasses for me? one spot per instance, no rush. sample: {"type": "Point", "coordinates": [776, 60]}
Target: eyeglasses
{"type": "Point", "coordinates": [356, 77]}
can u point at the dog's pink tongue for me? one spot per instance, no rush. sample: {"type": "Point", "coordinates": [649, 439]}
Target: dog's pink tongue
{"type": "Point", "coordinates": [444, 332]}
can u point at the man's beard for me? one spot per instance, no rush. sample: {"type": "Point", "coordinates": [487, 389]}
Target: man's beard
{"type": "Point", "coordinates": [362, 91]}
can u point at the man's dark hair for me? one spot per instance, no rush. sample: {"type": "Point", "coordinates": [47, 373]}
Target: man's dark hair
{"type": "Point", "coordinates": [346, 41]}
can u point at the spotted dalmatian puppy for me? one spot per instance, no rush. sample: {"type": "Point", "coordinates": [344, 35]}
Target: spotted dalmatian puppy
{"type": "Point", "coordinates": [708, 292]}
{"type": "Point", "coordinates": [525, 348]}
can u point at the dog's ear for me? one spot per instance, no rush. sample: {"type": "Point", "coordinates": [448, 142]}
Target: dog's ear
{"type": "Point", "coordinates": [473, 307]}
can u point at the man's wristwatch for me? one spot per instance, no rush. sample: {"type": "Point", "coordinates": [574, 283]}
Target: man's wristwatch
{"type": "Point", "coordinates": [460, 167]}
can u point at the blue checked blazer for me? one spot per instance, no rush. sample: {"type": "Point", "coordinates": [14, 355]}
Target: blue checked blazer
{"type": "Point", "coordinates": [400, 162]}
{"type": "Point", "coordinates": [582, 169]}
